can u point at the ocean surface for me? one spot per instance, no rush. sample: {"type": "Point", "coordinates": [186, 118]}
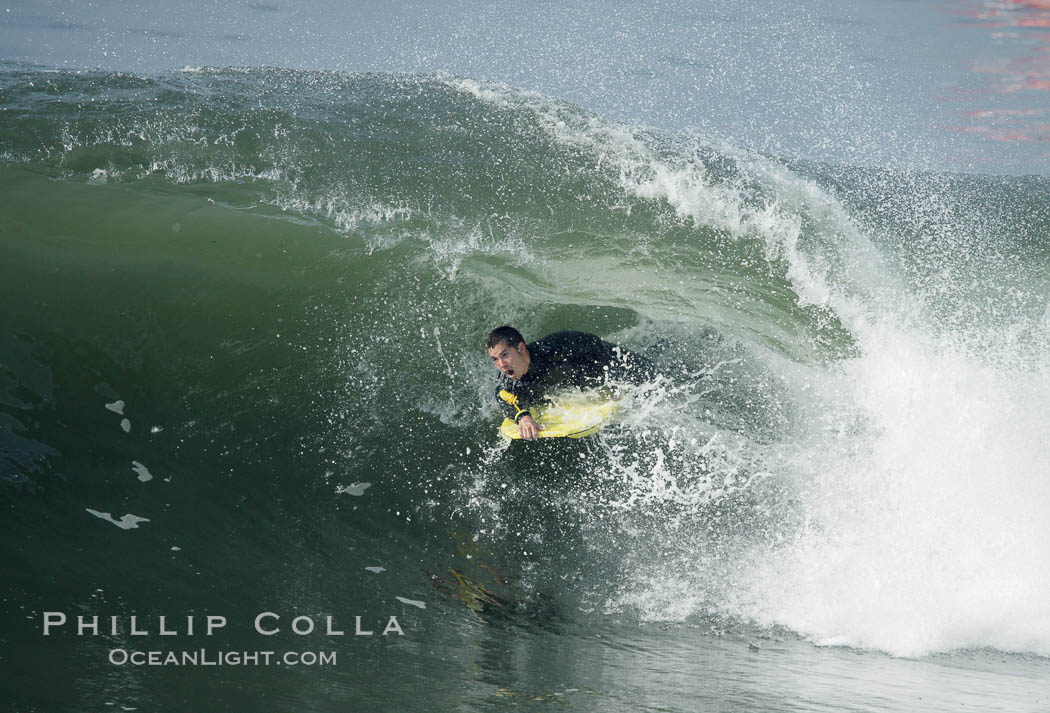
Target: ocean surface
{"type": "Point", "coordinates": [249, 255]}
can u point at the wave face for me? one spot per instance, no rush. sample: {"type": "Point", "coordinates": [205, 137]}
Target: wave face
{"type": "Point", "coordinates": [268, 291]}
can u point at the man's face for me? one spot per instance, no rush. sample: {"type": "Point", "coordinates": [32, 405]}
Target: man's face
{"type": "Point", "coordinates": [512, 361]}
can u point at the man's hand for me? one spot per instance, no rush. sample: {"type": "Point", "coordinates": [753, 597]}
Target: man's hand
{"type": "Point", "coordinates": [529, 429]}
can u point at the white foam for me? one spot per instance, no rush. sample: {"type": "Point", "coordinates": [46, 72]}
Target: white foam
{"type": "Point", "coordinates": [102, 176]}
{"type": "Point", "coordinates": [356, 489]}
{"type": "Point", "coordinates": [920, 481]}
{"type": "Point", "coordinates": [926, 530]}
{"type": "Point", "coordinates": [412, 602]}
{"type": "Point", "coordinates": [127, 522]}
{"type": "Point", "coordinates": [143, 472]}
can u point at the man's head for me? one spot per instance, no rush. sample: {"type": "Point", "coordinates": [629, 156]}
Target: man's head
{"type": "Point", "coordinates": [506, 348]}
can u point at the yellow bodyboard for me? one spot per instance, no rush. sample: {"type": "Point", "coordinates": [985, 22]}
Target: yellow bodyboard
{"type": "Point", "coordinates": [566, 419]}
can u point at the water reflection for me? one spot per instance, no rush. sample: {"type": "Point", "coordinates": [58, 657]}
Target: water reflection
{"type": "Point", "coordinates": [1012, 56]}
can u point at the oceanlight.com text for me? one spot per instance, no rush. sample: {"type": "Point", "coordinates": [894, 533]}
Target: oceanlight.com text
{"type": "Point", "coordinates": [204, 657]}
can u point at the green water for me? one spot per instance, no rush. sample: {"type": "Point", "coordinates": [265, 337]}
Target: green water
{"type": "Point", "coordinates": [269, 290]}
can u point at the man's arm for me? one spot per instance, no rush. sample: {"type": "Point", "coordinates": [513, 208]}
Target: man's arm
{"type": "Point", "coordinates": [515, 406]}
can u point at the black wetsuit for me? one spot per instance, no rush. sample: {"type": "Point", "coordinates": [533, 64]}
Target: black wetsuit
{"type": "Point", "coordinates": [569, 359]}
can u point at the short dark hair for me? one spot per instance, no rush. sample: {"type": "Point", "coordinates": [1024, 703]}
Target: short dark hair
{"type": "Point", "coordinates": [504, 334]}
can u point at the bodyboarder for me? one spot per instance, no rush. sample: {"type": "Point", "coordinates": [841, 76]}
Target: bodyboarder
{"type": "Point", "coordinates": [569, 358]}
